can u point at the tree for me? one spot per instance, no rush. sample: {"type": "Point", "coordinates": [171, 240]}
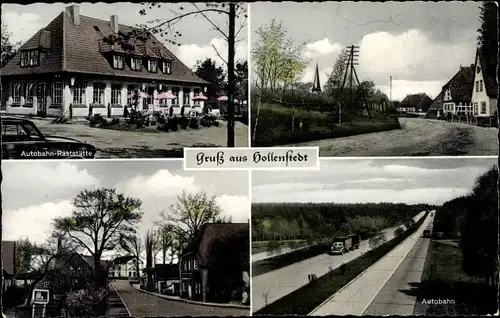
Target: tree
{"type": "Point", "coordinates": [241, 75]}
{"type": "Point", "coordinates": [133, 246]}
{"type": "Point", "coordinates": [488, 36]}
{"type": "Point", "coordinates": [101, 220]}
{"type": "Point", "coordinates": [164, 28]}
{"type": "Point", "coordinates": [189, 214]}
{"type": "Point", "coordinates": [9, 50]}
{"type": "Point", "coordinates": [150, 244]}
{"type": "Point", "coordinates": [336, 77]}
{"type": "Point", "coordinates": [168, 240]}
{"type": "Point", "coordinates": [212, 73]}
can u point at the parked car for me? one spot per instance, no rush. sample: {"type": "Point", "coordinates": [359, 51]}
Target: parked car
{"type": "Point", "coordinates": [21, 139]}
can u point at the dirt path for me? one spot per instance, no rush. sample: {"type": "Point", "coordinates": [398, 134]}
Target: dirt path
{"type": "Point", "coordinates": [418, 137]}
{"type": "Point", "coordinates": [131, 144]}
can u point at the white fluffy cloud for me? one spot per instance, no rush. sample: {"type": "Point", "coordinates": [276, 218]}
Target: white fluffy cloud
{"type": "Point", "coordinates": [190, 54]}
{"type": "Point", "coordinates": [237, 207]}
{"type": "Point", "coordinates": [34, 222]}
{"type": "Point", "coordinates": [22, 26]}
{"type": "Point", "coordinates": [321, 48]}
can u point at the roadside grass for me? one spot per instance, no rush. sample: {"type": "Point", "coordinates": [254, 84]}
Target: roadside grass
{"type": "Point", "coordinates": [305, 299]}
{"type": "Point", "coordinates": [262, 246]}
{"type": "Point", "coordinates": [275, 122]}
{"type": "Point", "coordinates": [444, 279]}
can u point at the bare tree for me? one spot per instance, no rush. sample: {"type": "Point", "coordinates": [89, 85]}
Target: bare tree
{"type": "Point", "coordinates": [150, 243]}
{"type": "Point", "coordinates": [133, 246]}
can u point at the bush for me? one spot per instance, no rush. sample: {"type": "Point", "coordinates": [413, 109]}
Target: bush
{"type": "Point", "coordinates": [398, 231]}
{"type": "Point", "coordinates": [173, 124]}
{"type": "Point", "coordinates": [183, 122]}
{"type": "Point", "coordinates": [96, 120]}
{"type": "Point", "coordinates": [273, 247]}
{"type": "Point", "coordinates": [194, 123]}
{"type": "Point", "coordinates": [206, 121]}
{"type": "Point", "coordinates": [13, 296]}
{"type": "Point", "coordinates": [115, 121]}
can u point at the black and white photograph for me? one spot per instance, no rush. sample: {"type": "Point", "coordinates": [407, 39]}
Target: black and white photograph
{"type": "Point", "coordinates": [377, 237]}
{"type": "Point", "coordinates": [123, 80]}
{"type": "Point", "coordinates": [124, 238]}
{"type": "Point", "coordinates": [361, 79]}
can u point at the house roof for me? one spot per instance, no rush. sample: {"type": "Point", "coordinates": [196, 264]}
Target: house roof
{"type": "Point", "coordinates": [461, 84]}
{"type": "Point", "coordinates": [81, 49]}
{"type": "Point", "coordinates": [437, 103]}
{"type": "Point", "coordinates": [122, 259]}
{"type": "Point", "coordinates": [489, 76]}
{"type": "Point", "coordinates": [9, 256]}
{"type": "Point", "coordinates": [88, 259]}
{"type": "Point", "coordinates": [420, 100]}
{"type": "Point", "coordinates": [221, 240]}
{"type": "Point", "coordinates": [167, 271]}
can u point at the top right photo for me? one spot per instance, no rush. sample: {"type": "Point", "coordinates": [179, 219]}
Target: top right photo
{"type": "Point", "coordinates": [368, 79]}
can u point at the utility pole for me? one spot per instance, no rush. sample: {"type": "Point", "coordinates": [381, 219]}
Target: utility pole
{"type": "Point", "coordinates": [230, 75]}
{"type": "Point", "coordinates": [390, 91]}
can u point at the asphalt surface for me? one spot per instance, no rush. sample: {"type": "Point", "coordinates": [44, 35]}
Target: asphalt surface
{"type": "Point", "coordinates": [380, 289]}
{"type": "Point", "coordinates": [417, 137]}
{"type": "Point", "coordinates": [273, 285]}
{"type": "Point", "coordinates": [140, 304]}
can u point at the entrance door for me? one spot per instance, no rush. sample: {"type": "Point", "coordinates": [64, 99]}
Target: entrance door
{"type": "Point", "coordinates": [41, 97]}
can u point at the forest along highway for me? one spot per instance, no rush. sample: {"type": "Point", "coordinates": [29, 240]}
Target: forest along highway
{"type": "Point", "coordinates": [417, 137]}
{"type": "Point", "coordinates": [275, 284]}
{"type": "Point", "coordinates": [380, 290]}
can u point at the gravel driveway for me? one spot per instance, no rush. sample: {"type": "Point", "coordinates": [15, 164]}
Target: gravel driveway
{"type": "Point", "coordinates": [133, 144]}
{"type": "Point", "coordinates": [418, 137]}
{"type": "Point", "coordinates": [144, 305]}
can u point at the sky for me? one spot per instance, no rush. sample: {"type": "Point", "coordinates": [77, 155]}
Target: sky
{"type": "Point", "coordinates": [421, 44]}
{"type": "Point", "coordinates": [198, 35]}
{"type": "Point", "coordinates": [433, 181]}
{"type": "Point", "coordinates": [34, 193]}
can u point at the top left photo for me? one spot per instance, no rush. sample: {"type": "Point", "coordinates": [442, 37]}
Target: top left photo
{"type": "Point", "coordinates": [122, 80]}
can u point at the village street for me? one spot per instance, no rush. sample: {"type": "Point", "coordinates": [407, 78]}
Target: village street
{"type": "Point", "coordinates": [417, 137]}
{"type": "Point", "coordinates": [134, 144]}
{"type": "Point", "coordinates": [141, 304]}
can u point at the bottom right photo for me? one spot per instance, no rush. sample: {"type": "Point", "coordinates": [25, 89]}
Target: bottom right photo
{"type": "Point", "coordinates": [416, 236]}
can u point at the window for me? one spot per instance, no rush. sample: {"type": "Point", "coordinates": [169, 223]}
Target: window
{"type": "Point", "coordinates": [24, 59]}
{"type": "Point", "coordinates": [79, 94]}
{"type": "Point", "coordinates": [195, 264]}
{"type": "Point", "coordinates": [186, 97]}
{"type": "Point", "coordinates": [16, 93]}
{"type": "Point", "coordinates": [150, 92]}
{"type": "Point", "coordinates": [130, 94]}
{"type": "Point", "coordinates": [175, 92]}
{"type": "Point", "coordinates": [57, 93]}
{"type": "Point", "coordinates": [477, 86]}
{"type": "Point", "coordinates": [29, 92]}
{"type": "Point", "coordinates": [135, 63]}
{"type": "Point", "coordinates": [476, 111]}
{"type": "Point", "coordinates": [129, 274]}
{"type": "Point", "coordinates": [152, 65]}
{"type": "Point", "coordinates": [119, 267]}
{"type": "Point", "coordinates": [98, 97]}
{"type": "Point", "coordinates": [116, 94]}
{"type": "Point", "coordinates": [117, 61]}
{"type": "Point", "coordinates": [45, 284]}
{"type": "Point", "coordinates": [478, 69]}
{"type": "Point", "coordinates": [480, 85]}
{"type": "Point", "coordinates": [196, 93]}
{"type": "Point", "coordinates": [483, 108]}
{"type": "Point", "coordinates": [30, 58]}
{"type": "Point", "coordinates": [34, 58]}
{"type": "Point", "coordinates": [167, 67]}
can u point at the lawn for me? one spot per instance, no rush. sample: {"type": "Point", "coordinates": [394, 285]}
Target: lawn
{"type": "Point", "coordinates": [444, 279]}
{"type": "Point", "coordinates": [275, 125]}
{"type": "Point", "coordinates": [305, 299]}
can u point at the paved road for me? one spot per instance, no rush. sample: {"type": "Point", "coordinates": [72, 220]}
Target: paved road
{"type": "Point", "coordinates": [144, 305]}
{"type": "Point", "coordinates": [376, 290]}
{"type": "Point", "coordinates": [418, 137]}
{"type": "Point", "coordinates": [273, 285]}
{"type": "Point", "coordinates": [132, 144]}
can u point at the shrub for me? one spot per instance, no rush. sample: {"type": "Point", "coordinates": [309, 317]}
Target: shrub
{"type": "Point", "coordinates": [96, 120]}
{"type": "Point", "coordinates": [216, 123]}
{"type": "Point", "coordinates": [79, 304]}
{"type": "Point", "coordinates": [173, 124]}
{"type": "Point", "coordinates": [184, 122]}
{"type": "Point", "coordinates": [115, 121]}
{"type": "Point", "coordinates": [194, 123]}
{"type": "Point", "coordinates": [206, 121]}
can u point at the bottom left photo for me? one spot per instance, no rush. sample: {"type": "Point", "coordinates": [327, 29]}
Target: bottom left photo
{"type": "Point", "coordinates": [124, 238]}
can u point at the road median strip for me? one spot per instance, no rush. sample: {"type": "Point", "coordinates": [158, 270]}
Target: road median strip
{"type": "Point", "coordinates": [306, 298]}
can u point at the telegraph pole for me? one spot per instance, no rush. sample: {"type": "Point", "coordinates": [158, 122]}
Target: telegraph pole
{"type": "Point", "coordinates": [390, 91]}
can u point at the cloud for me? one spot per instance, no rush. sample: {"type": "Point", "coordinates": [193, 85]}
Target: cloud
{"type": "Point", "coordinates": [190, 54]}
{"type": "Point", "coordinates": [321, 48]}
{"type": "Point", "coordinates": [34, 175]}
{"type": "Point", "coordinates": [22, 26]}
{"type": "Point", "coordinates": [237, 207]}
{"type": "Point", "coordinates": [35, 221]}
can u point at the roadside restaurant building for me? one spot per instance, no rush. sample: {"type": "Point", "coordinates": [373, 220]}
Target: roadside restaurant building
{"type": "Point", "coordinates": [67, 69]}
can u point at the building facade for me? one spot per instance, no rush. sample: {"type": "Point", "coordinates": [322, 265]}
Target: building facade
{"type": "Point", "coordinates": [457, 95]}
{"type": "Point", "coordinates": [70, 68]}
{"type": "Point", "coordinates": [484, 92]}
{"type": "Point", "coordinates": [126, 267]}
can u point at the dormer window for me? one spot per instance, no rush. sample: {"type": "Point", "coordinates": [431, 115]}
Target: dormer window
{"type": "Point", "coordinates": [478, 69]}
{"type": "Point", "coordinates": [152, 66]}
{"type": "Point", "coordinates": [135, 63]}
{"type": "Point", "coordinates": [118, 61]}
{"type": "Point", "coordinates": [167, 67]}
{"type": "Point", "coordinates": [30, 58]}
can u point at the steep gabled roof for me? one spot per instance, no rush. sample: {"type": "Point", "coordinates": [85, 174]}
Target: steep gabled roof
{"type": "Point", "coordinates": [489, 76]}
{"type": "Point", "coordinates": [437, 103]}
{"type": "Point", "coordinates": [461, 84]}
{"type": "Point", "coordinates": [420, 100]}
{"type": "Point", "coordinates": [221, 240]}
{"type": "Point", "coordinates": [80, 48]}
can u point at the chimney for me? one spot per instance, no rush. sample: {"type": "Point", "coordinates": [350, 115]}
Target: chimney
{"type": "Point", "coordinates": [113, 22]}
{"type": "Point", "coordinates": [75, 14]}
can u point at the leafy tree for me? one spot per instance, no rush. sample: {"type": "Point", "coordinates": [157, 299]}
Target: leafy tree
{"type": "Point", "coordinates": [101, 220]}
{"type": "Point", "coordinates": [189, 214]}
{"type": "Point", "coordinates": [9, 49]}
{"type": "Point", "coordinates": [209, 71]}
{"type": "Point", "coordinates": [488, 36]}
{"type": "Point", "coordinates": [336, 77]}
{"type": "Point", "coordinates": [168, 240]}
{"type": "Point", "coordinates": [241, 75]}
{"type": "Point", "coordinates": [150, 243]}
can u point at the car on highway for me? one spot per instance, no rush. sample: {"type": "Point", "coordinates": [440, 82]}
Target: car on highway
{"type": "Point", "coordinates": [427, 233]}
{"type": "Point", "coordinates": [21, 139]}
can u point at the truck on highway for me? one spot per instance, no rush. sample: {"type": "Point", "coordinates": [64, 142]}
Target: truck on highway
{"type": "Point", "coordinates": [344, 244]}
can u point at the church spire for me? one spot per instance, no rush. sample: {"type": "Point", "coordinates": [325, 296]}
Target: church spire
{"type": "Point", "coordinates": [316, 84]}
